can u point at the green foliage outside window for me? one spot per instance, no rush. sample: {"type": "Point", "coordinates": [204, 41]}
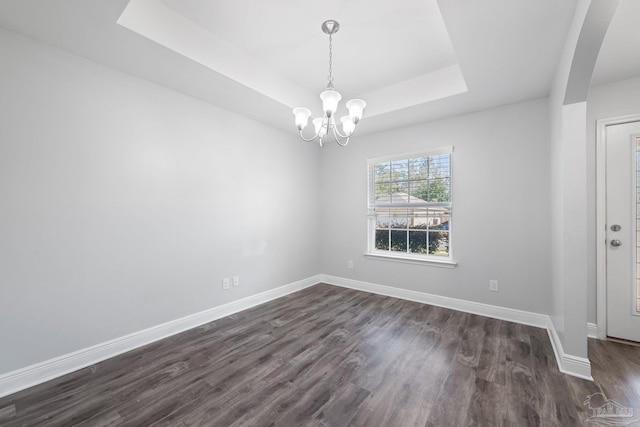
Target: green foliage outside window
{"type": "Point", "coordinates": [438, 241]}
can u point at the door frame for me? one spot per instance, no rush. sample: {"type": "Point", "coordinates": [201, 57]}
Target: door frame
{"type": "Point", "coordinates": [601, 216]}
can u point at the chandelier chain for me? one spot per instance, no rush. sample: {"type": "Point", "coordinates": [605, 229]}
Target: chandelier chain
{"type": "Point", "coordinates": [330, 78]}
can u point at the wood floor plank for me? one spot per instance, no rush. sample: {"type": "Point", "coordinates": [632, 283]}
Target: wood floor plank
{"type": "Point", "coordinates": [7, 413]}
{"type": "Point", "coordinates": [329, 356]}
{"type": "Point", "coordinates": [486, 404]}
{"type": "Point", "coordinates": [454, 398]}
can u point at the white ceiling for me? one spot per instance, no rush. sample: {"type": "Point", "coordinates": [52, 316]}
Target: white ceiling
{"type": "Point", "coordinates": [619, 57]}
{"type": "Point", "coordinates": [395, 57]}
{"type": "Point", "coordinates": [369, 49]}
{"type": "Point", "coordinates": [268, 56]}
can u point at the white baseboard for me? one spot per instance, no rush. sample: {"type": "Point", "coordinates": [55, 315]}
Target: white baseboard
{"type": "Point", "coordinates": [572, 365]}
{"type": "Point", "coordinates": [29, 376]}
{"type": "Point", "coordinates": [569, 364]}
{"type": "Point", "coordinates": [496, 312]}
{"type": "Point", "coordinates": [593, 331]}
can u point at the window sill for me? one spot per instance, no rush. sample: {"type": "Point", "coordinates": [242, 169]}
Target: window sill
{"type": "Point", "coordinates": [434, 262]}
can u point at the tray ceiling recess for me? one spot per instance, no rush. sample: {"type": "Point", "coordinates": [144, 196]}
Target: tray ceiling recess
{"type": "Point", "coordinates": [393, 54]}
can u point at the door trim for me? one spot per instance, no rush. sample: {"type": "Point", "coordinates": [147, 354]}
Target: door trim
{"type": "Point", "coordinates": [601, 247]}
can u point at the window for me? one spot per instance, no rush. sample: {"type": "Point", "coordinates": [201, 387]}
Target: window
{"type": "Point", "coordinates": [410, 206]}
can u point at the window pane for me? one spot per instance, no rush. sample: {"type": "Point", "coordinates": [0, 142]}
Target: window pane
{"type": "Point", "coordinates": [400, 170]}
{"type": "Point", "coordinates": [382, 239]}
{"type": "Point", "coordinates": [419, 190]}
{"type": "Point", "coordinates": [439, 243]}
{"type": "Point", "coordinates": [400, 190]}
{"type": "Point", "coordinates": [399, 198]}
{"type": "Point", "coordinates": [439, 190]}
{"type": "Point", "coordinates": [382, 172]}
{"type": "Point", "coordinates": [399, 218]}
{"type": "Point", "coordinates": [383, 219]}
{"type": "Point", "coordinates": [399, 240]}
{"type": "Point", "coordinates": [418, 241]}
{"type": "Point", "coordinates": [419, 168]}
{"type": "Point", "coordinates": [439, 218]}
{"type": "Point", "coordinates": [439, 166]}
{"type": "Point", "coordinates": [383, 193]}
{"type": "Point", "coordinates": [418, 218]}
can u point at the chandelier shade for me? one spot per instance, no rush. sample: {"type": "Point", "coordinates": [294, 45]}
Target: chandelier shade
{"type": "Point", "coordinates": [302, 117]}
{"type": "Point", "coordinates": [356, 108]}
{"type": "Point", "coordinates": [348, 125]}
{"type": "Point", "coordinates": [325, 125]}
{"type": "Point", "coordinates": [330, 99]}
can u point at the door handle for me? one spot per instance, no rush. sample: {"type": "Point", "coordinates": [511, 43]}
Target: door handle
{"type": "Point", "coordinates": [615, 243]}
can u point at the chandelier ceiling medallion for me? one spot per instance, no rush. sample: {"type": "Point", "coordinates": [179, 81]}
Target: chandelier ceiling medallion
{"type": "Point", "coordinates": [330, 99]}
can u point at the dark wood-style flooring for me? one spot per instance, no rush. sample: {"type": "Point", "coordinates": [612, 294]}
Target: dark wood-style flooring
{"type": "Point", "coordinates": [328, 356]}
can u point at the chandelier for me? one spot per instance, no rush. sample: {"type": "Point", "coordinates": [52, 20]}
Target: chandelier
{"type": "Point", "coordinates": [330, 99]}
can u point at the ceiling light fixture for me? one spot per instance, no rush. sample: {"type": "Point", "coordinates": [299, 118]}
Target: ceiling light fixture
{"type": "Point", "coordinates": [330, 98]}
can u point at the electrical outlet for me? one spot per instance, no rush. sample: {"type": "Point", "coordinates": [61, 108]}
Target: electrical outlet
{"type": "Point", "coordinates": [493, 285]}
{"type": "Point", "coordinates": [225, 283]}
{"type": "Point", "coordinates": [236, 281]}
{"type": "Point", "coordinates": [350, 264]}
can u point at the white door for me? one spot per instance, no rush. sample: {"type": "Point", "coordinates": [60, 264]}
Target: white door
{"type": "Point", "coordinates": [622, 229]}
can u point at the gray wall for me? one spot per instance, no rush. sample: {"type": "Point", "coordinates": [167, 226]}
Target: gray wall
{"type": "Point", "coordinates": [123, 204]}
{"type": "Point", "coordinates": [501, 201]}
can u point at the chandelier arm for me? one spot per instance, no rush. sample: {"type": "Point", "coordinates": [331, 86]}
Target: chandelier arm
{"type": "Point", "coordinates": [337, 135]}
{"type": "Point", "coordinates": [308, 140]}
{"type": "Point", "coordinates": [335, 130]}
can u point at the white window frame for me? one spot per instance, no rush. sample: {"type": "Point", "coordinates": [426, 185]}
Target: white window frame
{"type": "Point", "coordinates": [406, 257]}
